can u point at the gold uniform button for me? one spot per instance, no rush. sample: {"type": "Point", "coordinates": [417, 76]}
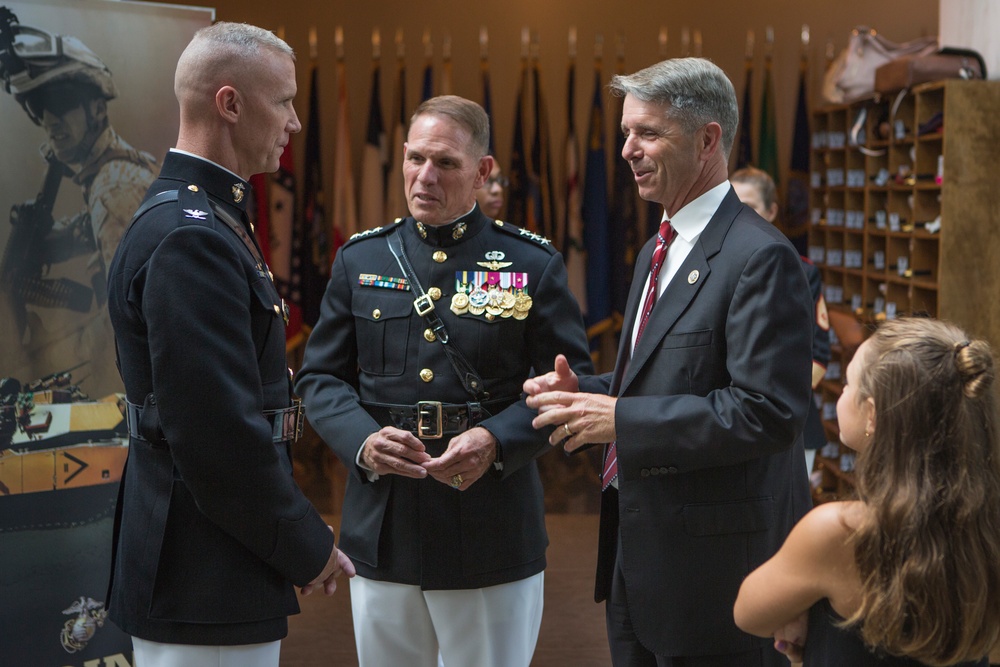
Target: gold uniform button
{"type": "Point", "coordinates": [440, 256]}
{"type": "Point", "coordinates": [277, 309]}
{"type": "Point", "coordinates": [376, 313]}
{"type": "Point", "coordinates": [427, 375]}
{"type": "Point", "coordinates": [193, 188]}
{"type": "Point", "coordinates": [429, 336]}
{"type": "Point", "coordinates": [435, 293]}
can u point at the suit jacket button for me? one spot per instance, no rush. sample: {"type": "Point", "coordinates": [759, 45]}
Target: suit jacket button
{"type": "Point", "coordinates": [654, 471]}
{"type": "Point", "coordinates": [671, 470]}
{"type": "Point", "coordinates": [644, 472]}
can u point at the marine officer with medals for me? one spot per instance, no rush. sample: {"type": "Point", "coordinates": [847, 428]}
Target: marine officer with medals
{"type": "Point", "coordinates": [413, 376]}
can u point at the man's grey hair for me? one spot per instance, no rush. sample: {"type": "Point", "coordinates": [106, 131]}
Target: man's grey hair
{"type": "Point", "coordinates": [469, 115]}
{"type": "Point", "coordinates": [242, 39]}
{"type": "Point", "coordinates": [696, 90]}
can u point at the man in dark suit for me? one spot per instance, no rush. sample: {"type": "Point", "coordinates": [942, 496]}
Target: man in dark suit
{"type": "Point", "coordinates": [704, 472]}
{"type": "Point", "coordinates": [413, 377]}
{"type": "Point", "coordinates": [212, 533]}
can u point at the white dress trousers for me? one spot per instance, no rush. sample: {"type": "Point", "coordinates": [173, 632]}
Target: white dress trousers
{"type": "Point", "coordinates": [155, 654]}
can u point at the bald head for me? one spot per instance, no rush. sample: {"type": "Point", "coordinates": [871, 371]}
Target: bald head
{"type": "Point", "coordinates": [220, 55]}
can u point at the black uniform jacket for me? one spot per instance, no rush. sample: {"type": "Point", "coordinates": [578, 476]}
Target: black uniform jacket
{"type": "Point", "coordinates": [711, 405]}
{"type": "Point", "coordinates": [370, 346]}
{"type": "Point", "coordinates": [214, 531]}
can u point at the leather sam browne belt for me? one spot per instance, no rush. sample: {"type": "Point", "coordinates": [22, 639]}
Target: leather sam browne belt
{"type": "Point", "coordinates": [286, 424]}
{"type": "Point", "coordinates": [430, 420]}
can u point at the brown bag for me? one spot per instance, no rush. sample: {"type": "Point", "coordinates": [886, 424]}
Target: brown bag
{"type": "Point", "coordinates": [852, 75]}
{"type": "Point", "coordinates": [908, 71]}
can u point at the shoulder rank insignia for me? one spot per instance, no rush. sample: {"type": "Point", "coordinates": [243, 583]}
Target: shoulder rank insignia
{"type": "Point", "coordinates": [195, 214]}
{"type": "Point", "coordinates": [494, 263]}
{"type": "Point", "coordinates": [534, 237]}
{"type": "Point", "coordinates": [367, 232]}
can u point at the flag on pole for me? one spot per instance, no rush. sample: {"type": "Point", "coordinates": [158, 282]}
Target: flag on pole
{"type": "Point", "coordinates": [595, 220]}
{"type": "Point", "coordinates": [744, 142]}
{"type": "Point", "coordinates": [395, 197]}
{"type": "Point", "coordinates": [374, 159]}
{"type": "Point", "coordinates": [518, 173]}
{"type": "Point", "coordinates": [427, 89]}
{"type": "Point", "coordinates": [571, 238]}
{"type": "Point", "coordinates": [767, 143]}
{"type": "Point", "coordinates": [314, 246]}
{"type": "Point", "coordinates": [624, 224]}
{"type": "Point", "coordinates": [797, 197]}
{"type": "Point", "coordinates": [484, 70]}
{"type": "Point", "coordinates": [543, 203]}
{"type": "Point", "coordinates": [345, 207]}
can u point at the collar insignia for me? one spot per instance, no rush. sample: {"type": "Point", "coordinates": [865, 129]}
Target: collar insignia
{"type": "Point", "coordinates": [238, 192]}
{"type": "Point", "coordinates": [195, 214]}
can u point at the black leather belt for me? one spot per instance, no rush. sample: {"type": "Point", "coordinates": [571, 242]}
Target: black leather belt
{"type": "Point", "coordinates": [286, 424]}
{"type": "Point", "coordinates": [430, 420]}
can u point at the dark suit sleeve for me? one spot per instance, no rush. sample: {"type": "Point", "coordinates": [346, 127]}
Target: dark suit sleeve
{"type": "Point", "coordinates": [197, 306]}
{"type": "Point", "coordinates": [555, 326]}
{"type": "Point", "coordinates": [742, 395]}
{"type": "Point", "coordinates": [821, 333]}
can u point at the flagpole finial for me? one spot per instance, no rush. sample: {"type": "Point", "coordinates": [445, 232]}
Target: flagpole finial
{"type": "Point", "coordinates": [750, 44]}
{"type": "Point", "coordinates": [572, 42]}
{"type": "Point", "coordinates": [338, 41]}
{"type": "Point", "coordinates": [534, 45]}
{"type": "Point", "coordinates": [768, 42]}
{"type": "Point", "coordinates": [484, 43]}
{"type": "Point", "coordinates": [525, 42]}
{"type": "Point", "coordinates": [685, 41]}
{"type": "Point", "coordinates": [446, 46]}
{"type": "Point", "coordinates": [428, 45]}
{"type": "Point", "coordinates": [376, 44]}
{"type": "Point", "coordinates": [805, 40]}
{"type": "Point", "coordinates": [598, 46]}
{"type": "Point", "coordinates": [697, 43]}
{"type": "Point", "coordinates": [663, 41]}
{"type": "Point", "coordinates": [313, 43]}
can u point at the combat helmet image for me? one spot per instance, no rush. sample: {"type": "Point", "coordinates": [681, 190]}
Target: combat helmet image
{"type": "Point", "coordinates": [34, 64]}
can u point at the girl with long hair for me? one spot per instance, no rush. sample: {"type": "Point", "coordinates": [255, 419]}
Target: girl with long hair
{"type": "Point", "coordinates": [909, 573]}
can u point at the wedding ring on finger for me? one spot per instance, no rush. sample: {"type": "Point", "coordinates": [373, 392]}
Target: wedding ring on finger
{"type": "Point", "coordinates": [456, 481]}
{"type": "Point", "coordinates": [569, 433]}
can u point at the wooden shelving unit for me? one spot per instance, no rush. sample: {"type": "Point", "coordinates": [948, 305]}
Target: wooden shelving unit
{"type": "Point", "coordinates": [905, 220]}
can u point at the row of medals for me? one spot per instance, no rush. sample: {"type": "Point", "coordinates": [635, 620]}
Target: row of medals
{"type": "Point", "coordinates": [492, 303]}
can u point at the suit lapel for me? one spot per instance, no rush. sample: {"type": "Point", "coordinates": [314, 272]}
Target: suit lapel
{"type": "Point", "coordinates": [680, 292]}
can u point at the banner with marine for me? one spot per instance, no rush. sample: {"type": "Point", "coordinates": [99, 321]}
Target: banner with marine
{"type": "Point", "coordinates": [88, 113]}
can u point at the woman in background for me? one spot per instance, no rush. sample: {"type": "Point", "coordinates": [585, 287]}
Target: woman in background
{"type": "Point", "coordinates": [907, 574]}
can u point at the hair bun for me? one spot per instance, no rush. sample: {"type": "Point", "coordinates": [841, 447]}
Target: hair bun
{"type": "Point", "coordinates": [975, 366]}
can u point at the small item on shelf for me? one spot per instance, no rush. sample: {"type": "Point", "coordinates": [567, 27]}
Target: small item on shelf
{"type": "Point", "coordinates": [939, 178]}
{"type": "Point", "coordinates": [902, 264]}
{"type": "Point", "coordinates": [833, 370]}
{"type": "Point", "coordinates": [847, 462]}
{"type": "Point", "coordinates": [917, 273]}
{"type": "Point", "coordinates": [890, 310]}
{"type": "Point", "coordinates": [933, 124]}
{"type": "Point", "coordinates": [881, 177]}
{"type": "Point", "coordinates": [902, 173]}
{"type": "Point", "coordinates": [830, 450]}
{"type": "Point", "coordinates": [934, 226]}
{"type": "Point", "coordinates": [899, 130]}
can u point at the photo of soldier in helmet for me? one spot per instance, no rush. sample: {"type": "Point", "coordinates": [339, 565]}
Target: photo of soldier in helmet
{"type": "Point", "coordinates": [52, 275]}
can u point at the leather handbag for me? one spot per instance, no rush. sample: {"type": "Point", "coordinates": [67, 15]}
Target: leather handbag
{"type": "Point", "coordinates": [948, 63]}
{"type": "Point", "coordinates": [851, 76]}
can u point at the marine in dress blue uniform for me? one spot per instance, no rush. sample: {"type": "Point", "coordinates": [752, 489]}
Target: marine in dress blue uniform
{"type": "Point", "coordinates": [373, 361]}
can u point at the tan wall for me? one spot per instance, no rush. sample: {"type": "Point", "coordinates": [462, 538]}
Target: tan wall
{"type": "Point", "coordinates": [723, 24]}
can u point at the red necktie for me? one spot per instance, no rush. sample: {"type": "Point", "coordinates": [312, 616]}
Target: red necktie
{"type": "Point", "coordinates": [663, 239]}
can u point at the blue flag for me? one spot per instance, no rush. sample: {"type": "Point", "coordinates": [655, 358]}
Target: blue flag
{"type": "Point", "coordinates": [594, 211]}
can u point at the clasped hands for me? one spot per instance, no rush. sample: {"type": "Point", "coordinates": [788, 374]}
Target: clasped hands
{"type": "Point", "coordinates": [393, 451]}
{"type": "Point", "coordinates": [579, 418]}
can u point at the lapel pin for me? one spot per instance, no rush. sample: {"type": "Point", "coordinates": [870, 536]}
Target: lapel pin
{"type": "Point", "coordinates": [693, 277]}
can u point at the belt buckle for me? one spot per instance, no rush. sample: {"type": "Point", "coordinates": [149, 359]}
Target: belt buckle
{"type": "Point", "coordinates": [423, 305]}
{"type": "Point", "coordinates": [429, 410]}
